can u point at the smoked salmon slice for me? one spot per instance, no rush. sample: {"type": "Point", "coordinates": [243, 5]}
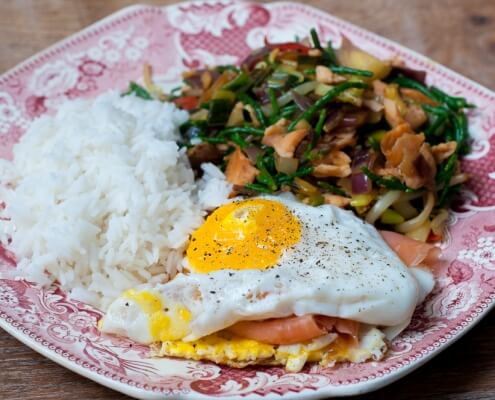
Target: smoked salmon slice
{"type": "Point", "coordinates": [293, 329]}
{"type": "Point", "coordinates": [412, 252]}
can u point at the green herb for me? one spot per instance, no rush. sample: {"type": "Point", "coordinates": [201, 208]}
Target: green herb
{"type": "Point", "coordinates": [329, 57]}
{"type": "Point", "coordinates": [461, 134]}
{"type": "Point", "coordinates": [219, 111]}
{"type": "Point", "coordinates": [257, 108]}
{"type": "Point", "coordinates": [213, 140]}
{"type": "Point", "coordinates": [258, 188]}
{"type": "Point", "coordinates": [325, 99]}
{"type": "Point", "coordinates": [287, 111]}
{"type": "Point", "coordinates": [316, 134]}
{"type": "Point", "coordinates": [303, 171]}
{"type": "Point", "coordinates": [351, 71]}
{"type": "Point", "coordinates": [444, 175]}
{"type": "Point", "coordinates": [244, 130]}
{"type": "Point", "coordinates": [309, 71]}
{"type": "Point", "coordinates": [239, 81]}
{"type": "Point", "coordinates": [284, 179]}
{"type": "Point", "coordinates": [454, 103]}
{"type": "Point", "coordinates": [138, 91]}
{"type": "Point", "coordinates": [237, 139]}
{"type": "Point", "coordinates": [388, 183]}
{"type": "Point", "coordinates": [274, 102]}
{"type": "Point", "coordinates": [315, 39]}
{"type": "Point", "coordinates": [331, 188]}
{"type": "Point", "coordinates": [264, 177]}
{"type": "Point", "coordinates": [222, 68]}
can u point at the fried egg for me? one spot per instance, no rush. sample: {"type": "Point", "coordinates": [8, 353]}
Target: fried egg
{"type": "Point", "coordinates": [272, 257]}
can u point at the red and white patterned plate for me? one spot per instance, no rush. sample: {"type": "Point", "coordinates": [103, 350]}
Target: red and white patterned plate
{"type": "Point", "coordinates": [108, 55]}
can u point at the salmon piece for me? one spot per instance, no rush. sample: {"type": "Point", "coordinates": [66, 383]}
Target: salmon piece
{"type": "Point", "coordinates": [340, 325]}
{"type": "Point", "coordinates": [293, 329]}
{"type": "Point", "coordinates": [412, 252]}
{"type": "Point", "coordinates": [442, 151]}
{"type": "Point", "coordinates": [239, 169]}
{"type": "Point", "coordinates": [336, 200]}
{"type": "Point", "coordinates": [284, 143]}
{"type": "Point", "coordinates": [408, 153]}
{"type": "Point", "coordinates": [335, 164]}
{"type": "Point", "coordinates": [417, 96]}
{"type": "Point", "coordinates": [415, 116]}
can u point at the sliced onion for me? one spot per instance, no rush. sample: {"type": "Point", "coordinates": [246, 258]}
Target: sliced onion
{"type": "Point", "coordinates": [361, 159]}
{"type": "Point", "coordinates": [416, 222]}
{"type": "Point", "coordinates": [286, 165]}
{"type": "Point", "coordinates": [405, 209]}
{"type": "Point", "coordinates": [252, 152]}
{"type": "Point", "coordinates": [286, 98]}
{"type": "Point", "coordinates": [301, 101]}
{"type": "Point", "coordinates": [458, 179]}
{"type": "Point", "coordinates": [373, 105]}
{"type": "Point", "coordinates": [255, 57]}
{"type": "Point", "coordinates": [360, 183]}
{"type": "Point", "coordinates": [410, 196]}
{"type": "Point", "coordinates": [354, 119]}
{"type": "Point", "coordinates": [334, 118]}
{"type": "Point", "coordinates": [381, 205]}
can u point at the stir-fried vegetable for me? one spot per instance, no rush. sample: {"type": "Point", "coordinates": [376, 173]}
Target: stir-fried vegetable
{"type": "Point", "coordinates": [330, 125]}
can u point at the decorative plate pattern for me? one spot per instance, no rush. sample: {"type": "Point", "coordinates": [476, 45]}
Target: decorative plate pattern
{"type": "Point", "coordinates": [108, 55]}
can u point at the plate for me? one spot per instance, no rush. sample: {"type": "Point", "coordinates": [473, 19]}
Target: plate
{"type": "Point", "coordinates": [108, 55]}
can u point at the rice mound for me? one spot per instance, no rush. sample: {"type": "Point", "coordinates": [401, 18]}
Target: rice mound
{"type": "Point", "coordinates": [100, 198]}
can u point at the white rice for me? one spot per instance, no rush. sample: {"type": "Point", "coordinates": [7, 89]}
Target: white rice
{"type": "Point", "coordinates": [100, 198]}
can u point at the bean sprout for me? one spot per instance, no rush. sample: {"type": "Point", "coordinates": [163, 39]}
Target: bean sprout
{"type": "Point", "coordinates": [381, 205]}
{"type": "Point", "coordinates": [416, 222]}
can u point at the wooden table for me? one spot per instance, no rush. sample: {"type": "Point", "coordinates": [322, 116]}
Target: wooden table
{"type": "Point", "coordinates": [457, 33]}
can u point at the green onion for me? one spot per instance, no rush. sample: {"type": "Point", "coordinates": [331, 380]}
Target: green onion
{"type": "Point", "coordinates": [287, 111]}
{"type": "Point", "coordinates": [257, 108]}
{"type": "Point", "coordinates": [325, 99]}
{"type": "Point", "coordinates": [237, 139]}
{"type": "Point", "coordinates": [329, 57]}
{"type": "Point", "coordinates": [319, 126]}
{"type": "Point", "coordinates": [244, 130]}
{"type": "Point", "coordinates": [138, 91]}
{"type": "Point", "coordinates": [219, 111]}
{"type": "Point", "coordinates": [389, 183]}
{"type": "Point", "coordinates": [258, 188]}
{"type": "Point", "coordinates": [317, 134]}
{"type": "Point", "coordinates": [351, 71]}
{"type": "Point", "coordinates": [455, 103]}
{"type": "Point", "coordinates": [315, 39]}
{"type": "Point", "coordinates": [309, 71]}
{"type": "Point", "coordinates": [238, 82]}
{"type": "Point", "coordinates": [264, 176]}
{"type": "Point", "coordinates": [443, 177]}
{"type": "Point", "coordinates": [274, 102]}
{"type": "Point", "coordinates": [331, 188]}
{"type": "Point", "coordinates": [303, 171]}
{"type": "Point", "coordinates": [433, 128]}
{"type": "Point", "coordinates": [212, 140]}
{"type": "Point", "coordinates": [461, 135]}
{"type": "Point", "coordinates": [222, 68]}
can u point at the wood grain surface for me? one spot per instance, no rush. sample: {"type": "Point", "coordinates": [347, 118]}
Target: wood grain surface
{"type": "Point", "coordinates": [457, 33]}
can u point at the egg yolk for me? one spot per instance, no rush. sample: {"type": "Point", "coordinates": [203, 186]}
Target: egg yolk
{"type": "Point", "coordinates": [247, 234]}
{"type": "Point", "coordinates": [170, 322]}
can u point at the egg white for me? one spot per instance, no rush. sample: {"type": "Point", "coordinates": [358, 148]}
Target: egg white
{"type": "Point", "coordinates": [340, 267]}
